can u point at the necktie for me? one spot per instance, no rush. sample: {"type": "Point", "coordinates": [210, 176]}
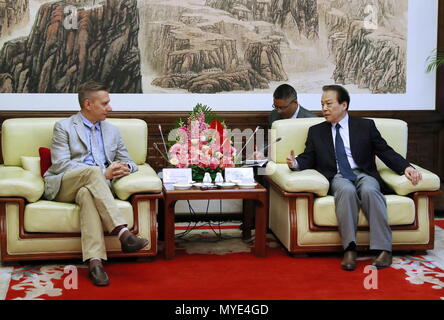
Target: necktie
{"type": "Point", "coordinates": [341, 157]}
{"type": "Point", "coordinates": [95, 148]}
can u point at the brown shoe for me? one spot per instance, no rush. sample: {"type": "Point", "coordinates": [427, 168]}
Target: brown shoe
{"type": "Point", "coordinates": [384, 260]}
{"type": "Point", "coordinates": [349, 261]}
{"type": "Point", "coordinates": [130, 243]}
{"type": "Point", "coordinates": [97, 274]}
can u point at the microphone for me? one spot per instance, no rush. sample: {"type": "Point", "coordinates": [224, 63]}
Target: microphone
{"type": "Point", "coordinates": [163, 139]}
{"type": "Point", "coordinates": [252, 136]}
{"type": "Point", "coordinates": [269, 145]}
{"type": "Point", "coordinates": [157, 148]}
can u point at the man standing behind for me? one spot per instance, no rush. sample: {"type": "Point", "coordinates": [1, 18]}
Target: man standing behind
{"type": "Point", "coordinates": [343, 149]}
{"type": "Point", "coordinates": [87, 153]}
{"type": "Point", "coordinates": [286, 106]}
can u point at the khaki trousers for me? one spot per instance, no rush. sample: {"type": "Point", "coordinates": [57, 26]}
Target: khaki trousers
{"type": "Point", "coordinates": [98, 211]}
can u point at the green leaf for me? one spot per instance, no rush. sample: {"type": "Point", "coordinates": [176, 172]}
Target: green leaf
{"type": "Point", "coordinates": [210, 116]}
{"type": "Point", "coordinates": [435, 60]}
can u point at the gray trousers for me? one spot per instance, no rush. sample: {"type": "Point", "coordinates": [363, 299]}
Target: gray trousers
{"type": "Point", "coordinates": [365, 194]}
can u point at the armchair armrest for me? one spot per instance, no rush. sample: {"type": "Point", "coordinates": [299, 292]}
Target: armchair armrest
{"type": "Point", "coordinates": [298, 181]}
{"type": "Point", "coordinates": [17, 182]}
{"type": "Point", "coordinates": [145, 180]}
{"type": "Point", "coordinates": [402, 186]}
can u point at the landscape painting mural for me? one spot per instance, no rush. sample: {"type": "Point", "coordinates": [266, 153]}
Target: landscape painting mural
{"type": "Point", "coordinates": [203, 46]}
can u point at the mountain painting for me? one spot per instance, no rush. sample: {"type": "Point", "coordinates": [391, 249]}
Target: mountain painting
{"type": "Point", "coordinates": [203, 46]}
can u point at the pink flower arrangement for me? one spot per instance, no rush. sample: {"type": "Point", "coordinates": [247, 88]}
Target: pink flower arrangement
{"type": "Point", "coordinates": [205, 147]}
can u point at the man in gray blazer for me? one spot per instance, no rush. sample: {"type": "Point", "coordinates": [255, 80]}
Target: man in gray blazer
{"type": "Point", "coordinates": [87, 153]}
{"type": "Point", "coordinates": [286, 105]}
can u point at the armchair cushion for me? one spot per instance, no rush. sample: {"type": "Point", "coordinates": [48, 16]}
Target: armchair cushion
{"type": "Point", "coordinates": [298, 181]}
{"type": "Point", "coordinates": [17, 182]}
{"type": "Point", "coordinates": [57, 217]}
{"type": "Point", "coordinates": [143, 181]}
{"type": "Point", "coordinates": [31, 164]}
{"type": "Point", "coordinates": [402, 186]}
{"type": "Point", "coordinates": [401, 211]}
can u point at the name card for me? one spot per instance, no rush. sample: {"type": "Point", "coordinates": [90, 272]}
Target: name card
{"type": "Point", "coordinates": [245, 175]}
{"type": "Point", "coordinates": [173, 176]}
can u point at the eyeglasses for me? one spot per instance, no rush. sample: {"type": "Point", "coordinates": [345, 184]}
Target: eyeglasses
{"type": "Point", "coordinates": [282, 108]}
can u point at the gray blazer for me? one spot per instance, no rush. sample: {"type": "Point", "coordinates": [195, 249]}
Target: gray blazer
{"type": "Point", "coordinates": [69, 149]}
{"type": "Point", "coordinates": [303, 113]}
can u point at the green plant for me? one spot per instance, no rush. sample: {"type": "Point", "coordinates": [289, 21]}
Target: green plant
{"type": "Point", "coordinates": [435, 60]}
{"type": "Point", "coordinates": [199, 108]}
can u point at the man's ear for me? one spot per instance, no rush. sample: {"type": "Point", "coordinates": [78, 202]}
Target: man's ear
{"type": "Point", "coordinates": [87, 104]}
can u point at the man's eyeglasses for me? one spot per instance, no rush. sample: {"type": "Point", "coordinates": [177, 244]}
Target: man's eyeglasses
{"type": "Point", "coordinates": [282, 108]}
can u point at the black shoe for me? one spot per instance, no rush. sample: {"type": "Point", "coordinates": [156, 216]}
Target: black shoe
{"type": "Point", "coordinates": [383, 260]}
{"type": "Point", "coordinates": [349, 261]}
{"type": "Point", "coordinates": [130, 243]}
{"type": "Point", "coordinates": [97, 274]}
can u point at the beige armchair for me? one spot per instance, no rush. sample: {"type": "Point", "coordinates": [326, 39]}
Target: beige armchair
{"type": "Point", "coordinates": [32, 228]}
{"type": "Point", "coordinates": [302, 214]}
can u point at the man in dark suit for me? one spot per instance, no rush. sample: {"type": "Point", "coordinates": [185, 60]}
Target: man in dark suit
{"type": "Point", "coordinates": [286, 105]}
{"type": "Point", "coordinates": [343, 149]}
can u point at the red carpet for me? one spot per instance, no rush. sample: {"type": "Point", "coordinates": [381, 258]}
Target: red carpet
{"type": "Point", "coordinates": [237, 276]}
{"type": "Point", "coordinates": [440, 223]}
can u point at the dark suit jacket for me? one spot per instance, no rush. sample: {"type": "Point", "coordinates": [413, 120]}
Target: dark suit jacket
{"type": "Point", "coordinates": [365, 142]}
{"type": "Point", "coordinates": [303, 113]}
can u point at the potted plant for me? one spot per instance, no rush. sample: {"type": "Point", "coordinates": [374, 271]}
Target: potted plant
{"type": "Point", "coordinates": [202, 143]}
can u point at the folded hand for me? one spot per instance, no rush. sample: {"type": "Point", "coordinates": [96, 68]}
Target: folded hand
{"type": "Point", "coordinates": [117, 170]}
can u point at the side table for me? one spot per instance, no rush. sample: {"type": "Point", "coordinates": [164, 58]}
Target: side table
{"type": "Point", "coordinates": [259, 194]}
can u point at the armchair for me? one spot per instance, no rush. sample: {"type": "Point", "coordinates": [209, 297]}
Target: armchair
{"type": "Point", "coordinates": [302, 214]}
{"type": "Point", "coordinates": [32, 228]}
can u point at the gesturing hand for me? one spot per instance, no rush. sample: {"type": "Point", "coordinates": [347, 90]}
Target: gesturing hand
{"type": "Point", "coordinates": [413, 175]}
{"type": "Point", "coordinates": [291, 159]}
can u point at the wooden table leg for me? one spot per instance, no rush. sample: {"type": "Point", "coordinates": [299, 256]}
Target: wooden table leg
{"type": "Point", "coordinates": [248, 218]}
{"type": "Point", "coordinates": [260, 233]}
{"type": "Point", "coordinates": [161, 220]}
{"type": "Point", "coordinates": [169, 216]}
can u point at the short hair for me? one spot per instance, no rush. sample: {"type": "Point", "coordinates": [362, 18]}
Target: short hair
{"type": "Point", "coordinates": [342, 93]}
{"type": "Point", "coordinates": [88, 87]}
{"type": "Point", "coordinates": [285, 92]}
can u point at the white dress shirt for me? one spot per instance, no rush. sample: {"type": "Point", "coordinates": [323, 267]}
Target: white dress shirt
{"type": "Point", "coordinates": [345, 135]}
{"type": "Point", "coordinates": [295, 116]}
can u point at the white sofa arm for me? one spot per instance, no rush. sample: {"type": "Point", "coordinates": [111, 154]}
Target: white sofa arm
{"type": "Point", "coordinates": [402, 186]}
{"type": "Point", "coordinates": [145, 180]}
{"type": "Point", "coordinates": [298, 181]}
{"type": "Point", "coordinates": [17, 182]}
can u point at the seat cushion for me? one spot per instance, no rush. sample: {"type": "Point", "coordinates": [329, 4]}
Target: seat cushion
{"type": "Point", "coordinates": [57, 217]}
{"type": "Point", "coordinates": [401, 211]}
